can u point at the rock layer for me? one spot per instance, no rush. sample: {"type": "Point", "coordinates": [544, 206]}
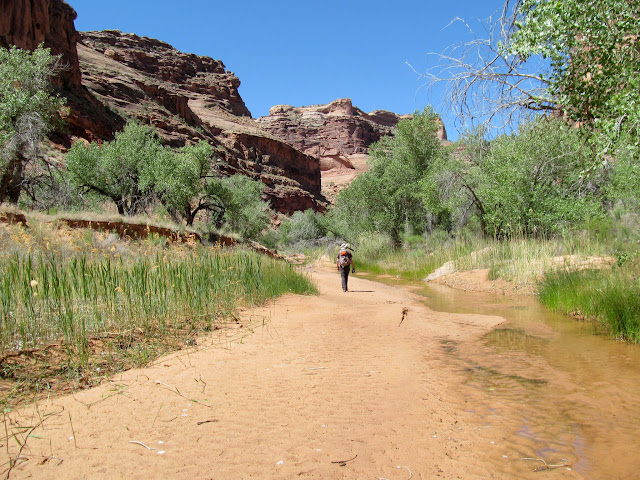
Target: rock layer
{"type": "Point", "coordinates": [332, 132]}
{"type": "Point", "coordinates": [163, 63]}
{"type": "Point", "coordinates": [28, 23]}
{"type": "Point", "coordinates": [186, 97]}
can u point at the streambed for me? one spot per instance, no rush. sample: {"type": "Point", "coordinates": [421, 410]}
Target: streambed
{"type": "Point", "coordinates": [567, 393]}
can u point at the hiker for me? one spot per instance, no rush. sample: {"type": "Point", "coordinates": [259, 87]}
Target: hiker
{"type": "Point", "coordinates": [343, 262]}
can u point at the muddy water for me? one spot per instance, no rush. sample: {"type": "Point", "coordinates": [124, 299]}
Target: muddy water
{"type": "Point", "coordinates": [567, 394]}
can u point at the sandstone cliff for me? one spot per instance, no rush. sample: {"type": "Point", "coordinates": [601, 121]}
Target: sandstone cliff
{"type": "Point", "coordinates": [188, 98]}
{"type": "Point", "coordinates": [112, 76]}
{"type": "Point", "coordinates": [28, 23]}
{"type": "Point", "coordinates": [331, 132]}
{"type": "Point", "coordinates": [338, 133]}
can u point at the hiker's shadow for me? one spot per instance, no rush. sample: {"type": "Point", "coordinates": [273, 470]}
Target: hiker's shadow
{"type": "Point", "coordinates": [361, 291]}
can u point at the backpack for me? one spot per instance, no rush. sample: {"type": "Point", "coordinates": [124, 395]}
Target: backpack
{"type": "Point", "coordinates": [343, 259]}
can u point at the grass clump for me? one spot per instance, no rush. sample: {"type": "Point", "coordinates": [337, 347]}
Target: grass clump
{"type": "Point", "coordinates": [612, 298]}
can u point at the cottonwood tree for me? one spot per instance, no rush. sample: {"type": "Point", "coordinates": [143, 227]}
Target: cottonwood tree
{"type": "Point", "coordinates": [122, 170]}
{"type": "Point", "coordinates": [135, 169]}
{"type": "Point", "coordinates": [387, 198]}
{"type": "Point", "coordinates": [27, 112]}
{"type": "Point", "coordinates": [579, 59]}
{"type": "Point", "coordinates": [245, 211]}
{"type": "Point", "coordinates": [487, 85]}
{"type": "Point", "coordinates": [188, 183]}
{"type": "Point", "coordinates": [593, 49]}
{"type": "Point", "coordinates": [529, 182]}
{"type": "Point", "coordinates": [532, 182]}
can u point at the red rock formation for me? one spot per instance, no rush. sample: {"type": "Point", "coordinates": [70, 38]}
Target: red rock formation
{"type": "Point", "coordinates": [332, 132]}
{"type": "Point", "coordinates": [188, 98]}
{"type": "Point", "coordinates": [338, 133]}
{"type": "Point", "coordinates": [13, 218]}
{"type": "Point", "coordinates": [28, 23]}
{"type": "Point", "coordinates": [160, 61]}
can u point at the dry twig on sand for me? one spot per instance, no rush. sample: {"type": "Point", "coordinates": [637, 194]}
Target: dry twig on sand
{"type": "Point", "coordinates": [140, 443]}
{"type": "Point", "coordinates": [405, 311]}
{"type": "Point", "coordinates": [342, 463]}
{"type": "Point", "coordinates": [208, 421]}
{"type": "Point", "coordinates": [177, 392]}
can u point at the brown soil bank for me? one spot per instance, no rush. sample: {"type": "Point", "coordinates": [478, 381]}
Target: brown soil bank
{"type": "Point", "coordinates": [342, 385]}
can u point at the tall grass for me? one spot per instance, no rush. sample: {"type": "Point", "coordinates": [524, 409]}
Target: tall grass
{"type": "Point", "coordinates": [375, 254]}
{"type": "Point", "coordinates": [611, 297]}
{"type": "Point", "coordinates": [78, 305]}
{"type": "Point", "coordinates": [520, 260]}
{"type": "Point", "coordinates": [43, 299]}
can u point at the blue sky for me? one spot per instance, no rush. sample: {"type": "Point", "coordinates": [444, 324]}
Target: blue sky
{"type": "Point", "coordinates": [306, 52]}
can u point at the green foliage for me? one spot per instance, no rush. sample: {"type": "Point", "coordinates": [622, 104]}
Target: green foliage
{"type": "Point", "coordinates": [27, 112]}
{"type": "Point", "coordinates": [187, 184]}
{"type": "Point", "coordinates": [122, 170]}
{"type": "Point", "coordinates": [534, 182]}
{"type": "Point", "coordinates": [530, 183]}
{"type": "Point", "coordinates": [372, 246]}
{"type": "Point", "coordinates": [594, 53]}
{"type": "Point", "coordinates": [135, 169]}
{"type": "Point", "coordinates": [245, 211]}
{"type": "Point", "coordinates": [624, 185]}
{"type": "Point", "coordinates": [387, 199]}
{"type": "Point", "coordinates": [304, 226]}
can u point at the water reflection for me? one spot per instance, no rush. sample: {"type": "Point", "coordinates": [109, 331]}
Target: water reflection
{"type": "Point", "coordinates": [568, 391]}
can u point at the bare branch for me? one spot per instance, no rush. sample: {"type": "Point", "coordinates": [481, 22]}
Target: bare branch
{"type": "Point", "coordinates": [484, 83]}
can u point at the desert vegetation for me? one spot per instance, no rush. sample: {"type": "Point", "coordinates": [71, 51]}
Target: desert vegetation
{"type": "Point", "coordinates": [78, 305]}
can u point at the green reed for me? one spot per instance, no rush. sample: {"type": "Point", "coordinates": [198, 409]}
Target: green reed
{"type": "Point", "coordinates": [44, 298]}
{"type": "Point", "coordinates": [610, 296]}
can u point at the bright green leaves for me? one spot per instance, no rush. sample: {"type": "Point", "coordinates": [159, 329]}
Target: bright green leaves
{"type": "Point", "coordinates": [539, 181]}
{"type": "Point", "coordinates": [534, 183]}
{"type": "Point", "coordinates": [594, 50]}
{"type": "Point", "coordinates": [27, 111]}
{"type": "Point", "coordinates": [122, 170]}
{"type": "Point", "coordinates": [136, 170]}
{"type": "Point", "coordinates": [388, 198]}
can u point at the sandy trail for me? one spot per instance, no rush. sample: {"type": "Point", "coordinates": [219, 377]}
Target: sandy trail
{"type": "Point", "coordinates": [328, 386]}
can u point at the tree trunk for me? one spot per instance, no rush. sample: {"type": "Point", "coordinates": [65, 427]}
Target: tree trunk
{"type": "Point", "coordinates": [11, 182]}
{"type": "Point", "coordinates": [15, 185]}
{"type": "Point", "coordinates": [189, 215]}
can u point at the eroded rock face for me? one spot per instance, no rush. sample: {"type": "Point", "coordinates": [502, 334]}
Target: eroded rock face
{"type": "Point", "coordinates": [186, 97]}
{"type": "Point", "coordinates": [28, 23]}
{"type": "Point", "coordinates": [331, 132]}
{"type": "Point", "coordinates": [160, 61]}
{"type": "Point", "coordinates": [338, 134]}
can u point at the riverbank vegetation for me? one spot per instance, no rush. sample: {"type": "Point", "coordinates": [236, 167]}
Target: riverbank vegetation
{"type": "Point", "coordinates": [78, 305]}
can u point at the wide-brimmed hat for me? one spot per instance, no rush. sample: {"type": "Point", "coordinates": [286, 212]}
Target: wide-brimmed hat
{"type": "Point", "coordinates": [344, 246]}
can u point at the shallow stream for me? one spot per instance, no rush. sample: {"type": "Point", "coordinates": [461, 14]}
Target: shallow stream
{"type": "Point", "coordinates": [568, 393]}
